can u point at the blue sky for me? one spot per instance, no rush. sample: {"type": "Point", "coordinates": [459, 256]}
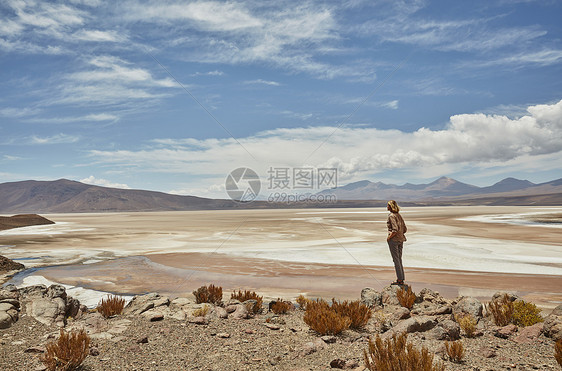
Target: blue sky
{"type": "Point", "coordinates": [173, 95]}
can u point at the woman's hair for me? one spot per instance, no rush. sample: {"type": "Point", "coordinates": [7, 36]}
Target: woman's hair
{"type": "Point", "coordinates": [393, 206]}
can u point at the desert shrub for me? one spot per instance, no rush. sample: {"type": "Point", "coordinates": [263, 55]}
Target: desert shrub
{"type": "Point", "coordinates": [501, 310]}
{"type": "Point", "coordinates": [281, 306]}
{"type": "Point", "coordinates": [526, 314]}
{"type": "Point", "coordinates": [323, 319]}
{"type": "Point", "coordinates": [397, 354]}
{"type": "Point", "coordinates": [208, 294]}
{"type": "Point", "coordinates": [358, 313]}
{"type": "Point", "coordinates": [68, 352]}
{"type": "Point", "coordinates": [558, 352]}
{"type": "Point", "coordinates": [242, 296]}
{"type": "Point", "coordinates": [302, 302]}
{"type": "Point", "coordinates": [111, 305]}
{"type": "Point", "coordinates": [201, 312]}
{"type": "Point", "coordinates": [455, 351]}
{"type": "Point", "coordinates": [467, 323]}
{"type": "Point", "coordinates": [406, 298]}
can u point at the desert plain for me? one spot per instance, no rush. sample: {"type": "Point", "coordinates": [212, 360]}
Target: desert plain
{"type": "Point", "coordinates": [473, 251]}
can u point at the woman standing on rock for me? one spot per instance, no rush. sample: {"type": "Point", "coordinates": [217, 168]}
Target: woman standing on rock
{"type": "Point", "coordinates": [396, 238]}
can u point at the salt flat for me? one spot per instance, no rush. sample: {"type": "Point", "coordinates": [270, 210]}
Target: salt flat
{"type": "Point", "coordinates": [331, 252]}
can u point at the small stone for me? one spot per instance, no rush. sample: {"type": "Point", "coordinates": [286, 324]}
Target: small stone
{"type": "Point", "coordinates": [249, 331]}
{"type": "Point", "coordinates": [337, 363]}
{"type": "Point", "coordinates": [223, 335]}
{"type": "Point", "coordinates": [198, 320]}
{"type": "Point", "coordinates": [156, 317]}
{"type": "Point", "coordinates": [94, 351]}
{"type": "Point", "coordinates": [488, 353]}
{"type": "Point", "coordinates": [142, 340]}
{"type": "Point", "coordinates": [34, 350]}
{"type": "Point", "coordinates": [271, 326]}
{"type": "Point", "coordinates": [329, 339]}
{"type": "Point", "coordinates": [506, 331]}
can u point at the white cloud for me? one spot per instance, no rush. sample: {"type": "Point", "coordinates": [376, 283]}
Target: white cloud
{"type": "Point", "coordinates": [393, 104]}
{"type": "Point", "coordinates": [103, 182]}
{"type": "Point", "coordinates": [99, 36]}
{"type": "Point", "coordinates": [97, 117]}
{"type": "Point", "coordinates": [262, 82]}
{"type": "Point", "coordinates": [209, 73]}
{"type": "Point", "coordinates": [469, 139]}
{"type": "Point", "coordinates": [55, 139]}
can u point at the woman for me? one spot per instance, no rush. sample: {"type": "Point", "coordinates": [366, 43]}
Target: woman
{"type": "Point", "coordinates": [395, 239]}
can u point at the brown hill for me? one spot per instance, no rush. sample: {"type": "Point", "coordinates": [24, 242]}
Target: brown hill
{"type": "Point", "coordinates": [26, 220]}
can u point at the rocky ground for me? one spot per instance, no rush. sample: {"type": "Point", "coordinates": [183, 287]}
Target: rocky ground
{"type": "Point", "coordinates": [159, 333]}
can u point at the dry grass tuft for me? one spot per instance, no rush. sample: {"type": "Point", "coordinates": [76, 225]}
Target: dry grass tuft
{"type": "Point", "coordinates": [201, 312]}
{"type": "Point", "coordinates": [323, 319]}
{"type": "Point", "coordinates": [455, 351]}
{"type": "Point", "coordinates": [302, 302]}
{"type": "Point", "coordinates": [68, 352]}
{"type": "Point", "coordinates": [111, 306]}
{"type": "Point", "coordinates": [281, 306]}
{"type": "Point", "coordinates": [406, 298]}
{"type": "Point", "coordinates": [467, 322]}
{"type": "Point", "coordinates": [501, 310]}
{"type": "Point", "coordinates": [357, 312]}
{"type": "Point", "coordinates": [208, 294]}
{"type": "Point", "coordinates": [242, 296]}
{"type": "Point", "coordinates": [558, 352]}
{"type": "Point", "coordinates": [397, 354]}
{"type": "Point", "coordinates": [526, 314]}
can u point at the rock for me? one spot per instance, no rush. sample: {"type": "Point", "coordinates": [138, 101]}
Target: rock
{"type": "Point", "coordinates": [7, 265]}
{"type": "Point", "coordinates": [15, 303]}
{"type": "Point", "coordinates": [389, 295]}
{"type": "Point", "coordinates": [469, 305]}
{"type": "Point", "coordinates": [56, 291]}
{"type": "Point", "coordinates": [445, 309]}
{"type": "Point", "coordinates": [271, 326]}
{"type": "Point", "coordinates": [529, 334]}
{"type": "Point", "coordinates": [506, 331]}
{"type": "Point", "coordinates": [221, 312]}
{"type": "Point", "coordinates": [223, 335]}
{"type": "Point", "coordinates": [445, 330]}
{"type": "Point", "coordinates": [337, 363]}
{"type": "Point", "coordinates": [33, 291]}
{"type": "Point", "coordinates": [48, 310]}
{"type": "Point", "coordinates": [553, 324]}
{"type": "Point", "coordinates": [431, 296]}
{"type": "Point", "coordinates": [141, 303]}
{"type": "Point", "coordinates": [241, 312]}
{"type": "Point", "coordinates": [328, 339]}
{"type": "Point", "coordinates": [4, 307]}
{"type": "Point", "coordinates": [500, 294]}
{"type": "Point", "coordinates": [6, 320]}
{"type": "Point", "coordinates": [94, 351]}
{"type": "Point", "coordinates": [371, 297]}
{"type": "Point", "coordinates": [230, 308]}
{"type": "Point", "coordinates": [249, 331]}
{"type": "Point", "coordinates": [351, 364]}
{"type": "Point", "coordinates": [488, 352]}
{"type": "Point", "coordinates": [401, 313]}
{"type": "Point", "coordinates": [142, 340]}
{"type": "Point", "coordinates": [312, 347]}
{"type": "Point", "coordinates": [198, 320]}
{"type": "Point", "coordinates": [413, 324]}
{"type": "Point", "coordinates": [35, 350]}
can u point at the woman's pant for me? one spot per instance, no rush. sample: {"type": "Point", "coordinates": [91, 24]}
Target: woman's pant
{"type": "Point", "coordinates": [396, 252]}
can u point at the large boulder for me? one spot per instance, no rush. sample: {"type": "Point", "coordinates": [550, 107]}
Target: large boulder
{"type": "Point", "coordinates": [371, 297]}
{"type": "Point", "coordinates": [389, 295]}
{"type": "Point", "coordinates": [48, 310]}
{"type": "Point", "coordinates": [445, 330]}
{"type": "Point", "coordinates": [51, 304]}
{"type": "Point", "coordinates": [553, 324]}
{"type": "Point", "coordinates": [141, 303]}
{"type": "Point", "coordinates": [469, 305]}
{"type": "Point", "coordinates": [413, 324]}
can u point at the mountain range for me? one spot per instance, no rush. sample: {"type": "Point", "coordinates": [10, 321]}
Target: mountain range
{"type": "Point", "coordinates": [441, 189]}
{"type": "Point", "coordinates": [68, 196]}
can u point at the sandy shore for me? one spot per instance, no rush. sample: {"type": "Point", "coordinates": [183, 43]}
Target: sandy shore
{"type": "Point", "coordinates": [454, 250]}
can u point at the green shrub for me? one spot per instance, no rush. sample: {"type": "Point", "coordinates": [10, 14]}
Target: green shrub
{"type": "Point", "coordinates": [201, 312]}
{"type": "Point", "coordinates": [526, 314]}
{"type": "Point", "coordinates": [467, 324]}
